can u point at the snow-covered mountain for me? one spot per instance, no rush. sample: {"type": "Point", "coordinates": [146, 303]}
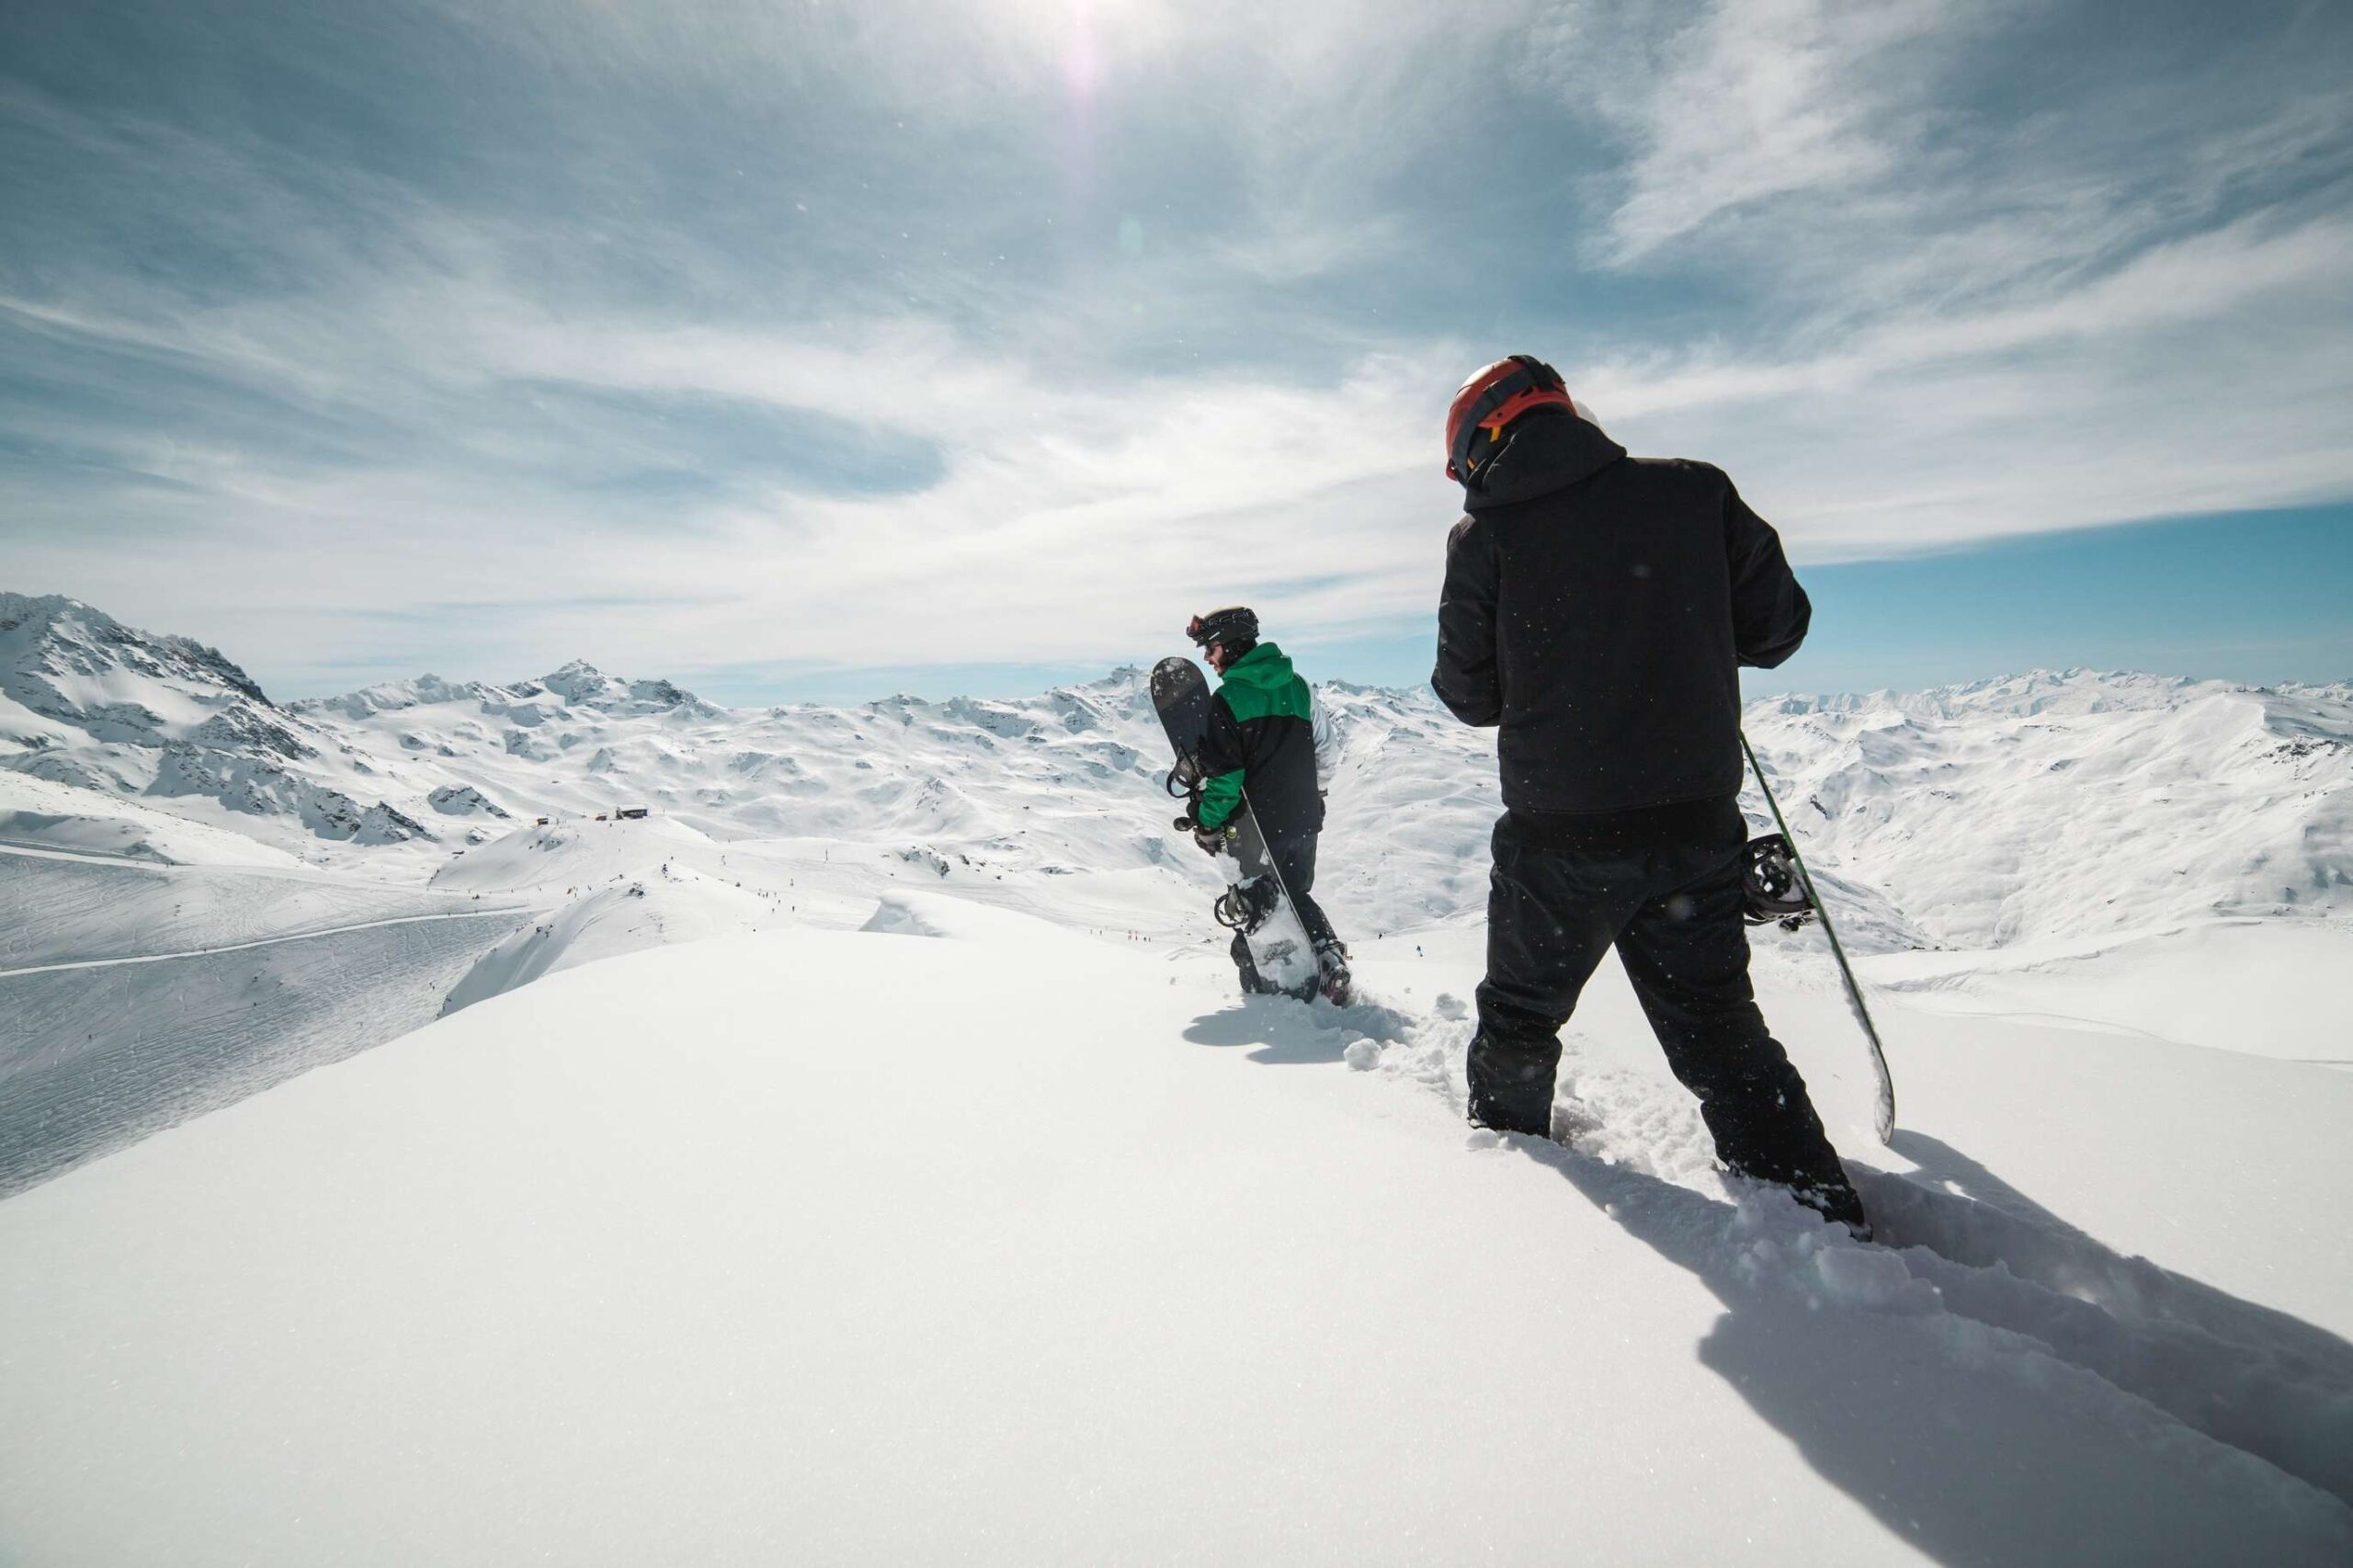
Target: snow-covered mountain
{"type": "Point", "coordinates": [2074, 805]}
{"type": "Point", "coordinates": [86, 701]}
{"type": "Point", "coordinates": [2053, 844]}
{"type": "Point", "coordinates": [2041, 808]}
{"type": "Point", "coordinates": [2040, 817]}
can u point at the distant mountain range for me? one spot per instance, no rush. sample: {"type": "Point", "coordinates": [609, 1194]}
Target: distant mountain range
{"type": "Point", "coordinates": [2046, 806]}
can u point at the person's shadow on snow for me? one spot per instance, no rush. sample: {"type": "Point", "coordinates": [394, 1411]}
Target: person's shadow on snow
{"type": "Point", "coordinates": [1982, 1220]}
{"type": "Point", "coordinates": [1971, 1418]}
{"type": "Point", "coordinates": [1292, 1034]}
{"type": "Point", "coordinates": [1286, 1034]}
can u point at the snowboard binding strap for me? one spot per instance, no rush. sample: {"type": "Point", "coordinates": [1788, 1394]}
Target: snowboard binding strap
{"type": "Point", "coordinates": [1770, 889]}
{"type": "Point", "coordinates": [1245, 907]}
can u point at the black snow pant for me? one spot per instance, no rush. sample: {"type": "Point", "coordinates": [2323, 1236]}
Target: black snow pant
{"type": "Point", "coordinates": [1675, 917]}
{"type": "Point", "coordinates": [1294, 858]}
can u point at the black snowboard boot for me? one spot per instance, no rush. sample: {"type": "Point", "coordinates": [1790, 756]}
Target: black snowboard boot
{"type": "Point", "coordinates": [1826, 1191]}
{"type": "Point", "coordinates": [1835, 1200]}
{"type": "Point", "coordinates": [1333, 980]}
{"type": "Point", "coordinates": [1511, 1083]}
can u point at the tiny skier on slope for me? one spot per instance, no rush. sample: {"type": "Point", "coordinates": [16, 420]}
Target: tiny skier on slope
{"type": "Point", "coordinates": [1597, 607]}
{"type": "Point", "coordinates": [1267, 732]}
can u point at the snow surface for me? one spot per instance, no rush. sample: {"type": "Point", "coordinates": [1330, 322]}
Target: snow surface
{"type": "Point", "coordinates": [2273, 988]}
{"type": "Point", "coordinates": [865, 1246]}
{"type": "Point", "coordinates": [38, 814]}
{"type": "Point", "coordinates": [863, 1156]}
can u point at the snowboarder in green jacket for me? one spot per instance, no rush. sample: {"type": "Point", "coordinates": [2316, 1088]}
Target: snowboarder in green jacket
{"type": "Point", "coordinates": [1266, 732]}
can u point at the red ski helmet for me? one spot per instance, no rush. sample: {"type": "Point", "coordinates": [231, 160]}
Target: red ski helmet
{"type": "Point", "coordinates": [1490, 401]}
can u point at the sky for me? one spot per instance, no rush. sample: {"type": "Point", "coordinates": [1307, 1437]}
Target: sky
{"type": "Point", "coordinates": [798, 350]}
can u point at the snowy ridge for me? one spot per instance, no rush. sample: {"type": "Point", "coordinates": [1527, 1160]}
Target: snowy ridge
{"type": "Point", "coordinates": [2080, 848]}
{"type": "Point", "coordinates": [2073, 804]}
{"type": "Point", "coordinates": [87, 701]}
{"type": "Point", "coordinates": [36, 814]}
{"type": "Point", "coordinates": [2041, 807]}
{"type": "Point", "coordinates": [1983, 843]}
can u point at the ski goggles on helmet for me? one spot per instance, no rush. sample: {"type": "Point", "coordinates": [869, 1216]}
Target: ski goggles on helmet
{"type": "Point", "coordinates": [1234, 625]}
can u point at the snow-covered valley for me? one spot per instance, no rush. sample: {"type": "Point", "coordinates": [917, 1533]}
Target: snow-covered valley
{"type": "Point", "coordinates": [863, 1156]}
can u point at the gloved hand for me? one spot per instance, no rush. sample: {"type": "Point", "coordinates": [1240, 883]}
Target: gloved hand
{"type": "Point", "coordinates": [1213, 840]}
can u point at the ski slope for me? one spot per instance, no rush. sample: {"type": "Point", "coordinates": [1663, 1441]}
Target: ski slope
{"type": "Point", "coordinates": [971, 1237]}
{"type": "Point", "coordinates": [96, 1054]}
{"type": "Point", "coordinates": [138, 990]}
{"type": "Point", "coordinates": [63, 819]}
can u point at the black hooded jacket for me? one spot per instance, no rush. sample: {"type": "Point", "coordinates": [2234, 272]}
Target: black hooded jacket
{"type": "Point", "coordinates": [1597, 608]}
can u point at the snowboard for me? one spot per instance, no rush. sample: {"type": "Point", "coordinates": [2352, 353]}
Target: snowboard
{"type": "Point", "coordinates": [1778, 887]}
{"type": "Point", "coordinates": [1254, 904]}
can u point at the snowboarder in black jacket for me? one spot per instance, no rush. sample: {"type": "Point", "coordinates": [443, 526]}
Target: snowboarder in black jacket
{"type": "Point", "coordinates": [1596, 608]}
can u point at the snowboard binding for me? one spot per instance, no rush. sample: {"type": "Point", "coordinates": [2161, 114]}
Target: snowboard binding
{"type": "Point", "coordinates": [1333, 979]}
{"type": "Point", "coordinates": [1184, 783]}
{"type": "Point", "coordinates": [1244, 906]}
{"type": "Point", "coordinates": [1770, 889]}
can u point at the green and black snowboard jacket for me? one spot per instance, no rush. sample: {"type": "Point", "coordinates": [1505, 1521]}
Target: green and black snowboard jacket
{"type": "Point", "coordinates": [1265, 733]}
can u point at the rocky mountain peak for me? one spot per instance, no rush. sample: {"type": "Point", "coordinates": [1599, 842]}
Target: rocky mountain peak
{"type": "Point", "coordinates": [59, 656]}
{"type": "Point", "coordinates": [581, 684]}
